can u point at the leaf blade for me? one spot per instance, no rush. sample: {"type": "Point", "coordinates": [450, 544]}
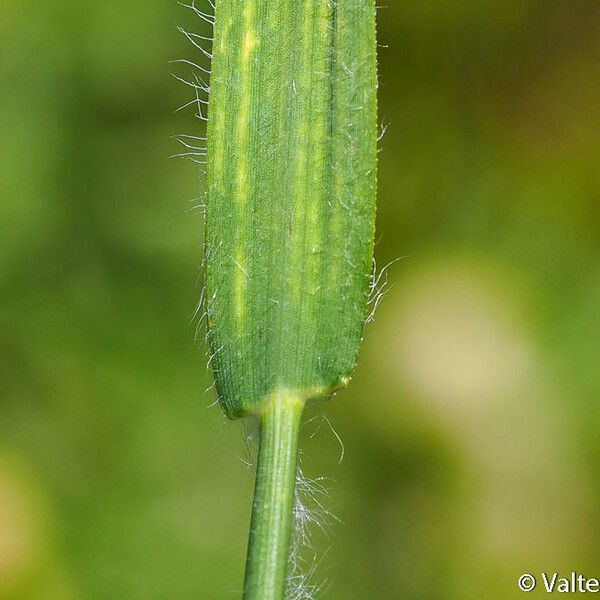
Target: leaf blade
{"type": "Point", "coordinates": [291, 204]}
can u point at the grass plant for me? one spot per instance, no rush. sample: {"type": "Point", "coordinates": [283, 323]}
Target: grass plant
{"type": "Point", "coordinates": [291, 156]}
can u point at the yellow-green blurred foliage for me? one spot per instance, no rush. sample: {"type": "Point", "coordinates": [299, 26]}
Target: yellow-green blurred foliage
{"type": "Point", "coordinates": [471, 428]}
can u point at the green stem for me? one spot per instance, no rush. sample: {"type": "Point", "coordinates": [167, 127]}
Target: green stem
{"type": "Point", "coordinates": [269, 544]}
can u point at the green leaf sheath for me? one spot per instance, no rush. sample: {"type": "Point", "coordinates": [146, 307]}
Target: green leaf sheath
{"type": "Point", "coordinates": [291, 165]}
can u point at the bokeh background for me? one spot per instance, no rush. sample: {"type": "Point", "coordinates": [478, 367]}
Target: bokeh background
{"type": "Point", "coordinates": [471, 431]}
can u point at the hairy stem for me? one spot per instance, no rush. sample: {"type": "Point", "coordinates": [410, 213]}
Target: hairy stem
{"type": "Point", "coordinates": [268, 547]}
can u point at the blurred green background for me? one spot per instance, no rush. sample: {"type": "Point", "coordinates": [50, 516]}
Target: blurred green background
{"type": "Point", "coordinates": [472, 445]}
